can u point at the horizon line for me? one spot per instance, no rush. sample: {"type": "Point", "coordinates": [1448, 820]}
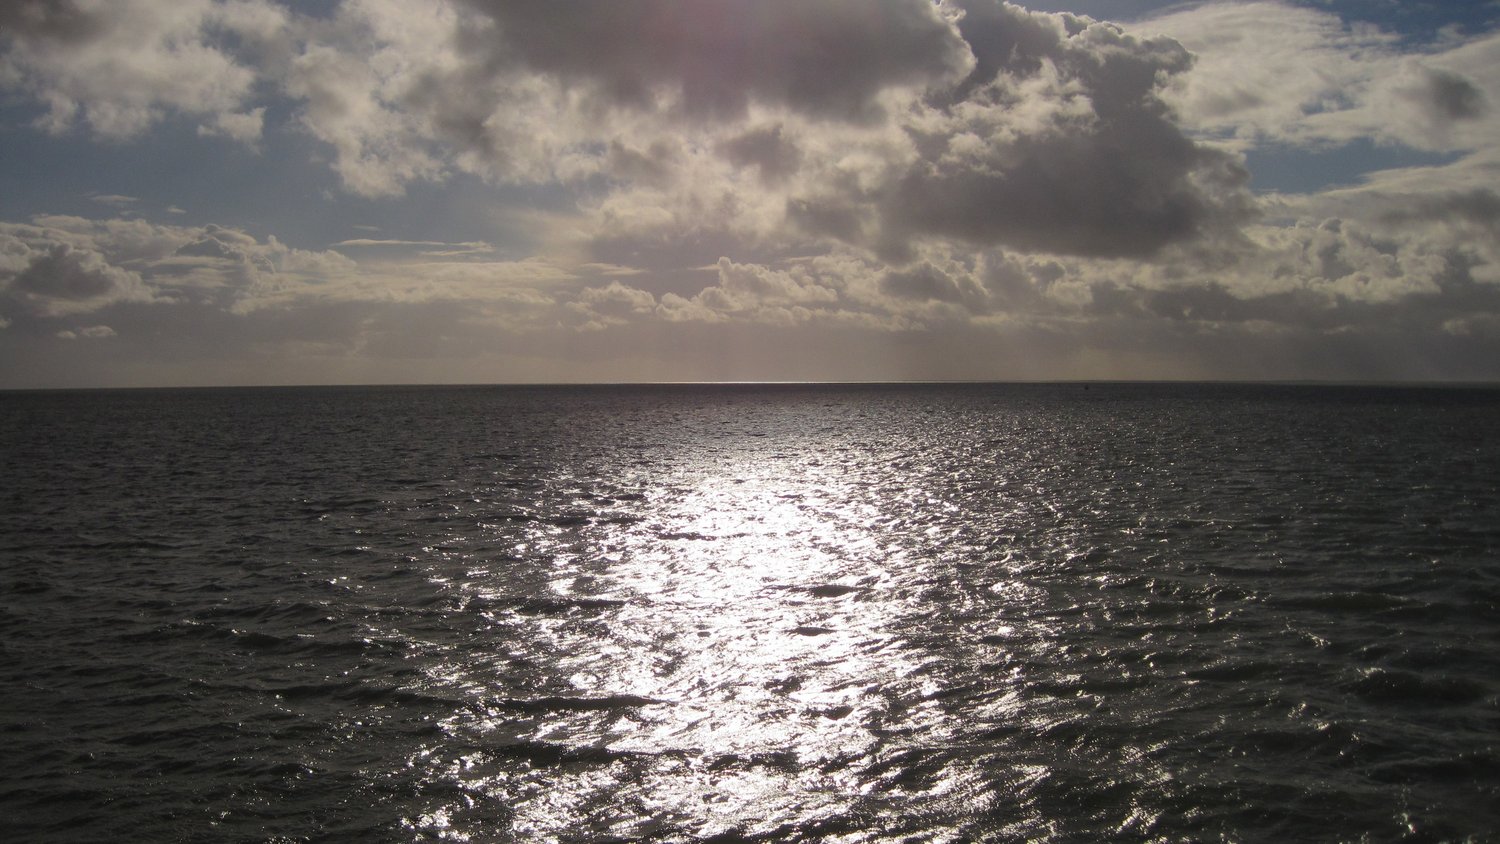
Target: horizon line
{"type": "Point", "coordinates": [1268, 382]}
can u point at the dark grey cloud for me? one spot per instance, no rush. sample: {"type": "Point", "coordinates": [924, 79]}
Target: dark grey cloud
{"type": "Point", "coordinates": [653, 165]}
{"type": "Point", "coordinates": [92, 332]}
{"type": "Point", "coordinates": [1456, 302]}
{"type": "Point", "coordinates": [1013, 285]}
{"type": "Point", "coordinates": [45, 279]}
{"type": "Point", "coordinates": [921, 282]}
{"type": "Point", "coordinates": [828, 216]}
{"type": "Point", "coordinates": [60, 20]}
{"type": "Point", "coordinates": [208, 247]}
{"type": "Point", "coordinates": [1114, 191]}
{"type": "Point", "coordinates": [1107, 174]}
{"type": "Point", "coordinates": [1447, 96]}
{"type": "Point", "coordinates": [64, 272]}
{"type": "Point", "coordinates": [1005, 38]}
{"type": "Point", "coordinates": [1213, 303]}
{"type": "Point", "coordinates": [234, 253]}
{"type": "Point", "coordinates": [766, 149]}
{"type": "Point", "coordinates": [1479, 207]}
{"type": "Point", "coordinates": [828, 58]}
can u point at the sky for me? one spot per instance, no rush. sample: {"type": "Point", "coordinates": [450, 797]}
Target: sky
{"type": "Point", "coordinates": [247, 192]}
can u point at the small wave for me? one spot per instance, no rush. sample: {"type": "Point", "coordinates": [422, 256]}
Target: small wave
{"type": "Point", "coordinates": [545, 606]}
{"type": "Point", "coordinates": [500, 456]}
{"type": "Point", "coordinates": [554, 703]}
{"type": "Point", "coordinates": [1404, 687]}
{"type": "Point", "coordinates": [577, 519]}
{"type": "Point", "coordinates": [127, 544]}
{"type": "Point", "coordinates": [1468, 767]}
{"type": "Point", "coordinates": [831, 590]}
{"type": "Point", "coordinates": [291, 612]}
{"type": "Point", "coordinates": [288, 644]}
{"type": "Point", "coordinates": [35, 586]}
{"type": "Point", "coordinates": [547, 753]}
{"type": "Point", "coordinates": [1345, 601]}
{"type": "Point", "coordinates": [687, 535]}
{"type": "Point", "coordinates": [343, 503]}
{"type": "Point", "coordinates": [1237, 671]}
{"type": "Point", "coordinates": [351, 690]}
{"type": "Point", "coordinates": [775, 759]}
{"type": "Point", "coordinates": [811, 630]}
{"type": "Point", "coordinates": [257, 640]}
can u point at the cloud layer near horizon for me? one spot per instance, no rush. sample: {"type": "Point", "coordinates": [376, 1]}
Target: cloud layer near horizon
{"type": "Point", "coordinates": [962, 181]}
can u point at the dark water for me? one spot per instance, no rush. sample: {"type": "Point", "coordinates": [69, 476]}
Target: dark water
{"type": "Point", "coordinates": [960, 613]}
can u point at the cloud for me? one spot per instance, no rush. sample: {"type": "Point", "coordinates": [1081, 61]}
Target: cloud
{"type": "Point", "coordinates": [62, 22]}
{"type": "Point", "coordinates": [92, 332]}
{"type": "Point", "coordinates": [840, 289]}
{"type": "Point", "coordinates": [1058, 141]}
{"type": "Point", "coordinates": [873, 124]}
{"type": "Point", "coordinates": [65, 273]}
{"type": "Point", "coordinates": [1274, 72]}
{"type": "Point", "coordinates": [612, 304]}
{"type": "Point", "coordinates": [765, 148]}
{"type": "Point", "coordinates": [877, 126]}
{"type": "Point", "coordinates": [50, 278]}
{"type": "Point", "coordinates": [466, 246]}
{"type": "Point", "coordinates": [349, 90]}
{"type": "Point", "coordinates": [713, 59]}
{"type": "Point", "coordinates": [120, 67]}
{"type": "Point", "coordinates": [1445, 95]}
{"type": "Point", "coordinates": [60, 265]}
{"type": "Point", "coordinates": [921, 283]}
{"type": "Point", "coordinates": [114, 199]}
{"type": "Point", "coordinates": [244, 127]}
{"type": "Point", "coordinates": [1067, 148]}
{"type": "Point", "coordinates": [1451, 210]}
{"type": "Point", "coordinates": [1479, 207]}
{"type": "Point", "coordinates": [928, 173]}
{"type": "Point", "coordinates": [755, 293]}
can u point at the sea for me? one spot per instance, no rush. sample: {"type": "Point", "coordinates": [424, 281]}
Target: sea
{"type": "Point", "coordinates": [726, 613]}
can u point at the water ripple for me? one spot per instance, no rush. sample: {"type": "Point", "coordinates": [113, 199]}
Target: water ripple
{"type": "Point", "coordinates": [752, 614]}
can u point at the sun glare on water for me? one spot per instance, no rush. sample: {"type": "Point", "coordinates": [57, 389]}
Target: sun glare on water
{"type": "Point", "coordinates": [728, 660]}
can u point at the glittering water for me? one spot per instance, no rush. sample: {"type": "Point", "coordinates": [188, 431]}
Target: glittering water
{"type": "Point", "coordinates": [937, 613]}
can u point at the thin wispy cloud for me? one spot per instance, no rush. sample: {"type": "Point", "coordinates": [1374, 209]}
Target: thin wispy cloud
{"type": "Point", "coordinates": [114, 200]}
{"type": "Point", "coordinates": [377, 243]}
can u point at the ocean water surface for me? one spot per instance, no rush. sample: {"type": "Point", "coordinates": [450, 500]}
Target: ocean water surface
{"type": "Point", "coordinates": [751, 613]}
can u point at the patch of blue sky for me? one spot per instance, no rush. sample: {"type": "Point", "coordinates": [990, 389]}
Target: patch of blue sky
{"type": "Point", "coordinates": [283, 187]}
{"type": "Point", "coordinates": [171, 165]}
{"type": "Point", "coordinates": [1417, 20]}
{"type": "Point", "coordinates": [1287, 169]}
{"type": "Point", "coordinates": [1108, 10]}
